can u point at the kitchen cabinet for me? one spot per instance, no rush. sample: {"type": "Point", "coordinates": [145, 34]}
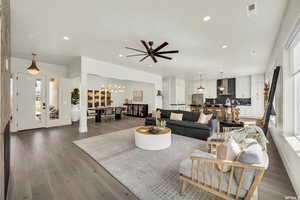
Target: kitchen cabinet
{"type": "Point", "coordinates": [243, 87]}
{"type": "Point", "coordinates": [210, 89]}
{"type": "Point", "coordinates": [256, 110]}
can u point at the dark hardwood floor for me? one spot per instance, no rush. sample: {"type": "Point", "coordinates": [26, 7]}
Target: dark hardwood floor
{"type": "Point", "coordinates": [46, 166]}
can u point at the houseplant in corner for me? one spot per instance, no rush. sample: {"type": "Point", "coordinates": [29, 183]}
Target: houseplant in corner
{"type": "Point", "coordinates": [75, 111]}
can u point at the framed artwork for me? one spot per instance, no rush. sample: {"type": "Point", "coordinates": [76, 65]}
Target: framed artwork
{"type": "Point", "coordinates": [137, 95]}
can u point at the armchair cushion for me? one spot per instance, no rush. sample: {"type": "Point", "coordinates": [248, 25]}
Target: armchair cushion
{"type": "Point", "coordinates": [185, 169]}
{"type": "Point", "coordinates": [253, 154]}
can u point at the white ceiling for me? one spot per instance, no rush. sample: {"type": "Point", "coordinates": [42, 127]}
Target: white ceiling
{"type": "Point", "coordinates": [101, 29]}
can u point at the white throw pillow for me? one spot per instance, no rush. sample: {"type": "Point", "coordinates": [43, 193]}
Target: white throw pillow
{"type": "Point", "coordinates": [176, 116]}
{"type": "Point", "coordinates": [204, 119]}
{"type": "Point", "coordinates": [228, 151]}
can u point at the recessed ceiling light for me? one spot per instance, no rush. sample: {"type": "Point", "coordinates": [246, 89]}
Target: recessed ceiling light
{"type": "Point", "coordinates": [66, 38]}
{"type": "Point", "coordinates": [224, 46]}
{"type": "Point", "coordinates": [120, 55]}
{"type": "Point", "coordinates": [206, 18]}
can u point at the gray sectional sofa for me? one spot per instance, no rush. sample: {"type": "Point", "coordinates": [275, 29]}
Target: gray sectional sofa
{"type": "Point", "coordinates": [188, 126]}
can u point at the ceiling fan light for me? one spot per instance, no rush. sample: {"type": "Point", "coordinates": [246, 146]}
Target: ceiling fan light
{"type": "Point", "coordinates": [33, 69]}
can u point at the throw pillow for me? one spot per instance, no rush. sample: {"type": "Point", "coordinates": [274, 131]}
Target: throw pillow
{"type": "Point", "coordinates": [253, 154]}
{"type": "Point", "coordinates": [176, 116]}
{"type": "Point", "coordinates": [228, 151]}
{"type": "Point", "coordinates": [204, 119]}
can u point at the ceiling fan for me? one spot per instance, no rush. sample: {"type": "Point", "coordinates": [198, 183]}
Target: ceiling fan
{"type": "Point", "coordinates": [150, 52]}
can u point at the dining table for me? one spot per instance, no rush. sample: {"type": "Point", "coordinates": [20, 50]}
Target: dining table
{"type": "Point", "coordinates": [101, 109]}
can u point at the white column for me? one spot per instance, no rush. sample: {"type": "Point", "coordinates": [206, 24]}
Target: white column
{"type": "Point", "coordinates": [83, 103]}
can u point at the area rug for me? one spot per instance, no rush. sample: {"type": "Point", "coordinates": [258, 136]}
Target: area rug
{"type": "Point", "coordinates": [150, 175]}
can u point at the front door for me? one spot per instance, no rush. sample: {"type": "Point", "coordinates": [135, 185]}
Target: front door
{"type": "Point", "coordinates": [31, 101]}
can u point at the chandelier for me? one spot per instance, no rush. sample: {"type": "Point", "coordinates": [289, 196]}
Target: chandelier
{"type": "Point", "coordinates": [115, 88]}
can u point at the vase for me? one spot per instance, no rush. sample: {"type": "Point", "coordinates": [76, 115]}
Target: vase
{"type": "Point", "coordinates": [75, 113]}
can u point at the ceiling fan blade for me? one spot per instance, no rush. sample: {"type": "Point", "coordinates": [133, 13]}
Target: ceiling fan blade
{"type": "Point", "coordinates": [165, 52]}
{"type": "Point", "coordinates": [153, 58]}
{"type": "Point", "coordinates": [144, 58]}
{"type": "Point", "coordinates": [163, 57]}
{"type": "Point", "coordinates": [160, 47]}
{"type": "Point", "coordinates": [136, 49]}
{"type": "Point", "coordinates": [142, 54]}
{"type": "Point", "coordinates": [146, 45]}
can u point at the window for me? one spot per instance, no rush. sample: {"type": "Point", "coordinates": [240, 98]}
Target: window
{"type": "Point", "coordinates": [296, 77]}
{"type": "Point", "coordinates": [53, 99]}
{"type": "Point", "coordinates": [38, 99]}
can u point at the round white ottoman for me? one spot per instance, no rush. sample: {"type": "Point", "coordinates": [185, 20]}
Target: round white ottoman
{"type": "Point", "coordinates": [149, 141]}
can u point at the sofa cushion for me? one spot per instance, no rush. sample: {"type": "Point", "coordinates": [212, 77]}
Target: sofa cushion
{"type": "Point", "coordinates": [167, 113]}
{"type": "Point", "coordinates": [188, 124]}
{"type": "Point", "coordinates": [204, 119]}
{"type": "Point", "coordinates": [190, 116]}
{"type": "Point", "coordinates": [176, 116]}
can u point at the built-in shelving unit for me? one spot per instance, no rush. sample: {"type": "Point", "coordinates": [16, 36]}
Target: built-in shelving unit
{"type": "Point", "coordinates": [96, 98]}
{"type": "Point", "coordinates": [90, 99]}
{"type": "Point", "coordinates": [102, 97]}
{"type": "Point", "coordinates": [99, 98]}
{"type": "Point", "coordinates": [108, 98]}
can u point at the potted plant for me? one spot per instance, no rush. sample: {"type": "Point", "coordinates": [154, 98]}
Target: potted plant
{"type": "Point", "coordinates": [75, 110]}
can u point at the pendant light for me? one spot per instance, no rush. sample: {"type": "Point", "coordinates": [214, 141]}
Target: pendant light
{"type": "Point", "coordinates": [200, 89]}
{"type": "Point", "coordinates": [33, 69]}
{"type": "Point", "coordinates": [221, 88]}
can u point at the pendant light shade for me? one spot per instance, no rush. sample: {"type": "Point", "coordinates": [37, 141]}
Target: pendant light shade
{"type": "Point", "coordinates": [200, 89]}
{"type": "Point", "coordinates": [33, 69]}
{"type": "Point", "coordinates": [221, 88]}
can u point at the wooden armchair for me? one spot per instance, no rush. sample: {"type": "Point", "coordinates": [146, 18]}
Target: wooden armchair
{"type": "Point", "coordinates": [206, 173]}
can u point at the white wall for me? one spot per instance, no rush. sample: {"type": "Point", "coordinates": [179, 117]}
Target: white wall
{"type": "Point", "coordinates": [74, 68]}
{"type": "Point", "coordinates": [104, 69]}
{"type": "Point", "coordinates": [282, 132]}
{"type": "Point", "coordinates": [149, 93]}
{"type": "Point", "coordinates": [243, 87]}
{"type": "Point", "coordinates": [92, 66]}
{"type": "Point", "coordinates": [48, 71]}
{"type": "Point", "coordinates": [95, 82]}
